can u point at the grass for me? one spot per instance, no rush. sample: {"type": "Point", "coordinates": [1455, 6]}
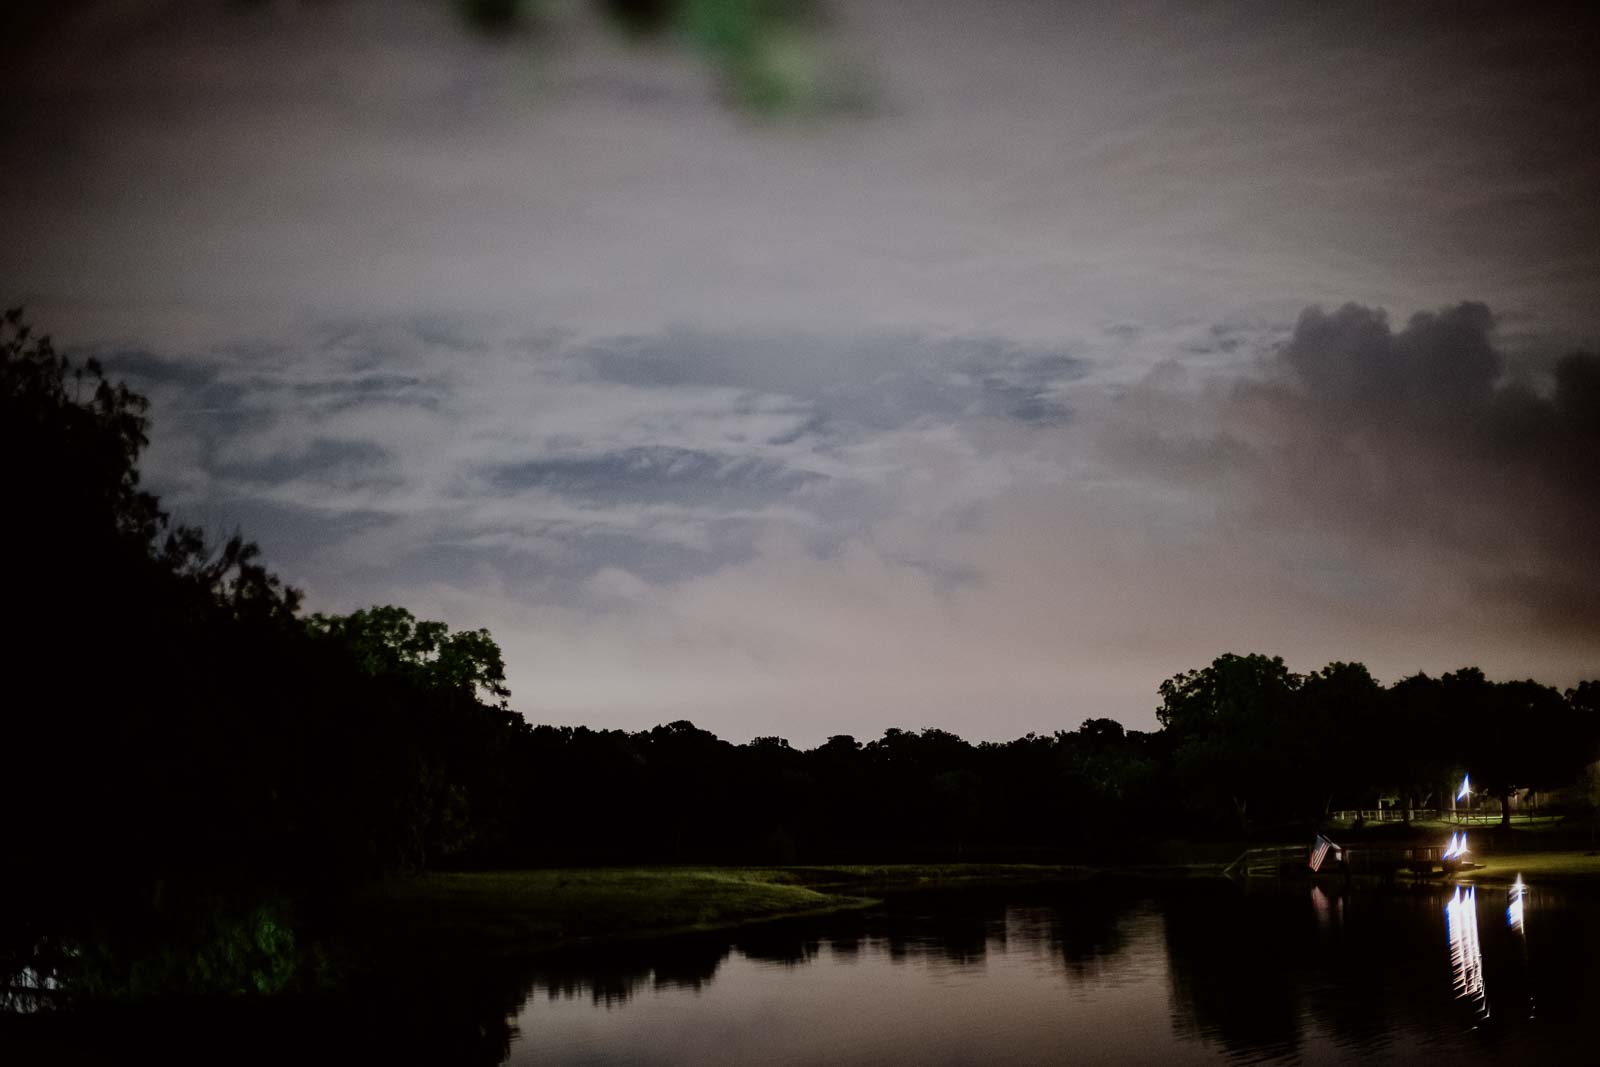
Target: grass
{"type": "Point", "coordinates": [534, 910]}
{"type": "Point", "coordinates": [1542, 825]}
{"type": "Point", "coordinates": [893, 877]}
{"type": "Point", "coordinates": [1555, 866]}
{"type": "Point", "coordinates": [1538, 824]}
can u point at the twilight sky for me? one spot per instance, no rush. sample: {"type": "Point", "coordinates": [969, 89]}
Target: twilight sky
{"type": "Point", "coordinates": [987, 408]}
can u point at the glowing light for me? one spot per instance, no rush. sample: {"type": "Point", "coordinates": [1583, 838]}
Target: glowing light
{"type": "Point", "coordinates": [1466, 954]}
{"type": "Point", "coordinates": [1466, 787]}
{"type": "Point", "coordinates": [1514, 909]}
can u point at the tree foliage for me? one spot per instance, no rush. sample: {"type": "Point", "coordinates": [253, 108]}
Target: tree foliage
{"type": "Point", "coordinates": [388, 640]}
{"type": "Point", "coordinates": [1278, 747]}
{"type": "Point", "coordinates": [176, 730]}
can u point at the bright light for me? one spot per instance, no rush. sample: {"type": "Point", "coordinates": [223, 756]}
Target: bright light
{"type": "Point", "coordinates": [1466, 787]}
{"type": "Point", "coordinates": [1514, 909]}
{"type": "Point", "coordinates": [1466, 955]}
{"type": "Point", "coordinates": [1458, 845]}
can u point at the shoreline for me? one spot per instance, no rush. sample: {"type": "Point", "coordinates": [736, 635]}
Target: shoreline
{"type": "Point", "coordinates": [543, 910]}
{"type": "Point", "coordinates": [534, 911]}
{"type": "Point", "coordinates": [1566, 868]}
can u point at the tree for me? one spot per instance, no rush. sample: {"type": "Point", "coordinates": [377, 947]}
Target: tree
{"type": "Point", "coordinates": [1338, 738]}
{"type": "Point", "coordinates": [72, 439]}
{"type": "Point", "coordinates": [181, 735]}
{"type": "Point", "coordinates": [1511, 734]}
{"type": "Point", "coordinates": [1233, 692]}
{"type": "Point", "coordinates": [389, 640]}
{"type": "Point", "coordinates": [1227, 722]}
{"type": "Point", "coordinates": [145, 727]}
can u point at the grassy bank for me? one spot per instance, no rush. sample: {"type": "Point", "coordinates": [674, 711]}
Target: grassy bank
{"type": "Point", "coordinates": [1566, 867]}
{"type": "Point", "coordinates": [534, 910]}
{"type": "Point", "coordinates": [514, 912]}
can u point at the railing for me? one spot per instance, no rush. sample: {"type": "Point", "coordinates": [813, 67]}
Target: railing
{"type": "Point", "coordinates": [1463, 817]}
{"type": "Point", "coordinates": [1389, 814]}
{"type": "Point", "coordinates": [1294, 860]}
{"type": "Point", "coordinates": [1267, 862]}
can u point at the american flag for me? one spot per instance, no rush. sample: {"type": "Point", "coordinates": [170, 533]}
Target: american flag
{"type": "Point", "coordinates": [1319, 852]}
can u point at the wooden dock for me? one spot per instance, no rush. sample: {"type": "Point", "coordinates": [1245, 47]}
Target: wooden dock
{"type": "Point", "coordinates": [1423, 859]}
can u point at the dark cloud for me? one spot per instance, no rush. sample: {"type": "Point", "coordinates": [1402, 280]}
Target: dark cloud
{"type": "Point", "coordinates": [1422, 446]}
{"type": "Point", "coordinates": [150, 368]}
{"type": "Point", "coordinates": [657, 475]}
{"type": "Point", "coordinates": [327, 460]}
{"type": "Point", "coordinates": [1440, 369]}
{"type": "Point", "coordinates": [387, 388]}
{"type": "Point", "coordinates": [1440, 386]}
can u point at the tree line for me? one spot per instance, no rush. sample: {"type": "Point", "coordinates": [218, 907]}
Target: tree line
{"type": "Point", "coordinates": [194, 761]}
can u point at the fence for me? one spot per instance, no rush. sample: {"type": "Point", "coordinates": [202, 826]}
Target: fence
{"type": "Point", "coordinates": [1460, 817]}
{"type": "Point", "coordinates": [1270, 862]}
{"type": "Point", "coordinates": [1367, 859]}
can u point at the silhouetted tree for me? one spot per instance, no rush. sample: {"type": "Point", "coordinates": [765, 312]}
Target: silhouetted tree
{"type": "Point", "coordinates": [1227, 720]}
{"type": "Point", "coordinates": [390, 640]}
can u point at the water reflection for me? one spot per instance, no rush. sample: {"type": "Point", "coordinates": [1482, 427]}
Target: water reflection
{"type": "Point", "coordinates": [925, 979]}
{"type": "Point", "coordinates": [1516, 921]}
{"type": "Point", "coordinates": [1330, 913]}
{"type": "Point", "coordinates": [1466, 953]}
{"type": "Point", "coordinates": [1176, 973]}
{"type": "Point", "coordinates": [611, 978]}
{"type": "Point", "coordinates": [1180, 972]}
{"type": "Point", "coordinates": [940, 932]}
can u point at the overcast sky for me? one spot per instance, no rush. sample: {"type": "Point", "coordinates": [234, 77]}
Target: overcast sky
{"type": "Point", "coordinates": [986, 408]}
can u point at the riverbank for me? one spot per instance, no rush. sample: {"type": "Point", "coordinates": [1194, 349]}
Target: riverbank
{"type": "Point", "coordinates": [524, 911]}
{"type": "Point", "coordinates": [1564, 867]}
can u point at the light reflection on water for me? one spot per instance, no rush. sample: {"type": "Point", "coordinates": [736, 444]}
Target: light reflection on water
{"type": "Point", "coordinates": [1175, 974]}
{"type": "Point", "coordinates": [1466, 954]}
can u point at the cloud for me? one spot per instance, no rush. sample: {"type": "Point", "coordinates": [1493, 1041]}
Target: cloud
{"type": "Point", "coordinates": [656, 475]}
{"type": "Point", "coordinates": [187, 169]}
{"type": "Point", "coordinates": [803, 535]}
{"type": "Point", "coordinates": [1442, 462]}
{"type": "Point", "coordinates": [421, 440]}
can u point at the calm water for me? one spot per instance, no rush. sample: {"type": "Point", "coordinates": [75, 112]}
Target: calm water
{"type": "Point", "coordinates": [1104, 973]}
{"type": "Point", "coordinates": [1099, 973]}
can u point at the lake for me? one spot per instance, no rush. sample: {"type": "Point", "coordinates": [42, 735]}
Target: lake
{"type": "Point", "coordinates": [1102, 972]}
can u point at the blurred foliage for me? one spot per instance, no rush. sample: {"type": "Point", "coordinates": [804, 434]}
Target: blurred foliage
{"type": "Point", "coordinates": [223, 948]}
{"type": "Point", "coordinates": [772, 56]}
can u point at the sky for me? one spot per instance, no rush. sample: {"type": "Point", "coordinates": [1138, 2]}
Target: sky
{"type": "Point", "coordinates": [1102, 340]}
